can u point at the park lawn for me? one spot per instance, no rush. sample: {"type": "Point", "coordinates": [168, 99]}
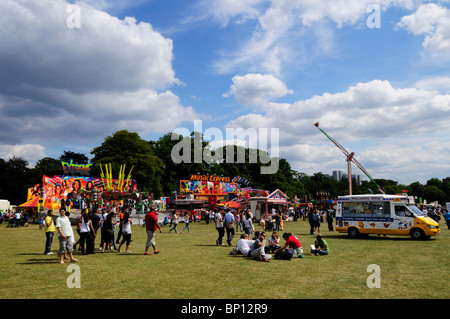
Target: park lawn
{"type": "Point", "coordinates": [191, 266]}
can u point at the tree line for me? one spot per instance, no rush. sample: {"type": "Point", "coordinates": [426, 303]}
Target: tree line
{"type": "Point", "coordinates": [156, 172]}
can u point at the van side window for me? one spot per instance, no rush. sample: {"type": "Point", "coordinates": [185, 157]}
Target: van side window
{"type": "Point", "coordinates": [402, 211]}
{"type": "Point", "coordinates": [366, 209]}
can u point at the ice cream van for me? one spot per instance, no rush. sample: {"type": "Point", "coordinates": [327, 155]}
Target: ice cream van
{"type": "Point", "coordinates": [383, 214]}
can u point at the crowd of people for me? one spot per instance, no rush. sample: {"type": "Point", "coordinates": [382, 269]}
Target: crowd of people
{"type": "Point", "coordinates": [90, 226]}
{"type": "Point", "coordinates": [437, 214]}
{"type": "Point", "coordinates": [103, 225]}
{"type": "Point", "coordinates": [15, 218]}
{"type": "Point", "coordinates": [112, 226]}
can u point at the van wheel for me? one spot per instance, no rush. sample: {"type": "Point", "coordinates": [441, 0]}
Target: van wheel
{"type": "Point", "coordinates": [353, 233]}
{"type": "Point", "coordinates": [416, 234]}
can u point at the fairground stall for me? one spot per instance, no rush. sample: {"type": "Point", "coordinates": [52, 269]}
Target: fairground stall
{"type": "Point", "coordinates": [263, 205]}
{"type": "Point", "coordinates": [209, 188]}
{"type": "Point", "coordinates": [77, 192]}
{"type": "Point", "coordinates": [189, 204]}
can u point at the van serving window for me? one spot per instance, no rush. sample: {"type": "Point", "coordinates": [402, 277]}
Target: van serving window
{"type": "Point", "coordinates": [366, 209]}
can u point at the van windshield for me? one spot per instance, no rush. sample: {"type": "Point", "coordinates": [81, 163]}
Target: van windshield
{"type": "Point", "coordinates": [415, 210]}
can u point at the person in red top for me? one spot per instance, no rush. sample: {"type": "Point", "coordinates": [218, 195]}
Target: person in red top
{"type": "Point", "coordinates": [295, 247]}
{"type": "Point", "coordinates": [151, 225]}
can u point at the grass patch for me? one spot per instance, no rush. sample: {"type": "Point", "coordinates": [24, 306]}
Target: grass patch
{"type": "Point", "coordinates": [191, 266]}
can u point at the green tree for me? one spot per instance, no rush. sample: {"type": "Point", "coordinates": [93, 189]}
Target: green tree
{"type": "Point", "coordinates": [48, 166]}
{"type": "Point", "coordinates": [174, 170]}
{"type": "Point", "coordinates": [435, 182]}
{"type": "Point", "coordinates": [16, 180]}
{"type": "Point", "coordinates": [3, 180]}
{"type": "Point", "coordinates": [78, 158]}
{"type": "Point", "coordinates": [417, 190]}
{"type": "Point", "coordinates": [128, 148]}
{"type": "Point", "coordinates": [434, 193]}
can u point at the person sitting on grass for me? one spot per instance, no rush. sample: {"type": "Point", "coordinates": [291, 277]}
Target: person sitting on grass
{"type": "Point", "coordinates": [274, 242]}
{"type": "Point", "coordinates": [243, 246]}
{"type": "Point", "coordinates": [320, 245]}
{"type": "Point", "coordinates": [295, 247]}
{"type": "Point", "coordinates": [258, 248]}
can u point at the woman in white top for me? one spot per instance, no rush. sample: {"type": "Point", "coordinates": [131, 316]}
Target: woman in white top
{"type": "Point", "coordinates": [274, 242]}
{"type": "Point", "coordinates": [126, 231]}
{"type": "Point", "coordinates": [85, 225]}
{"type": "Point", "coordinates": [175, 222]}
{"type": "Point", "coordinates": [186, 222]}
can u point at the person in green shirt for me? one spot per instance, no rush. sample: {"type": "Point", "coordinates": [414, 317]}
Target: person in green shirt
{"type": "Point", "coordinates": [320, 246]}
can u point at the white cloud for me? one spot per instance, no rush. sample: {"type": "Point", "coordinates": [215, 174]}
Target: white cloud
{"type": "Point", "coordinates": [105, 53]}
{"type": "Point", "coordinates": [89, 116]}
{"type": "Point", "coordinates": [285, 29]}
{"type": "Point", "coordinates": [433, 21]}
{"type": "Point", "coordinates": [439, 83]}
{"type": "Point", "coordinates": [348, 12]}
{"type": "Point", "coordinates": [225, 10]}
{"type": "Point", "coordinates": [387, 127]}
{"type": "Point", "coordinates": [31, 152]}
{"type": "Point", "coordinates": [79, 84]}
{"type": "Point", "coordinates": [257, 89]}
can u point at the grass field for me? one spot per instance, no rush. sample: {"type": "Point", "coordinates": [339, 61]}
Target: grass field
{"type": "Point", "coordinates": [191, 266]}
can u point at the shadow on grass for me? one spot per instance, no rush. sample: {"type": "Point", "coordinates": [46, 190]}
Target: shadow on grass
{"type": "Point", "coordinates": [39, 261]}
{"type": "Point", "coordinates": [210, 245]}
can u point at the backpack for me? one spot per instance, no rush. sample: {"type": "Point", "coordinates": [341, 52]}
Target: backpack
{"type": "Point", "coordinates": [283, 255]}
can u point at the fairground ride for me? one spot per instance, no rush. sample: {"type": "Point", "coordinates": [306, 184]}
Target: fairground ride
{"type": "Point", "coordinates": [350, 159]}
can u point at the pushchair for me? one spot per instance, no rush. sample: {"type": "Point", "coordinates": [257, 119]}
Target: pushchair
{"type": "Point", "coordinates": [13, 223]}
{"type": "Point", "coordinates": [269, 226]}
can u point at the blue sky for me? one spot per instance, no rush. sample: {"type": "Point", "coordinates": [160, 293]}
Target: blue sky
{"type": "Point", "coordinates": [154, 66]}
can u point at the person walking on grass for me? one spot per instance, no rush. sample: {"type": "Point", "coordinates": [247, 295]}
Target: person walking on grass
{"type": "Point", "coordinates": [316, 221]}
{"type": "Point", "coordinates": [219, 227]}
{"type": "Point", "coordinates": [108, 231]}
{"type": "Point", "coordinates": [70, 233]}
{"type": "Point", "coordinates": [447, 218]}
{"type": "Point", "coordinates": [151, 225]}
{"type": "Point", "coordinates": [229, 225]}
{"type": "Point", "coordinates": [126, 231]}
{"type": "Point", "coordinates": [87, 233]}
{"type": "Point", "coordinates": [65, 234]}
{"type": "Point", "coordinates": [186, 222]}
{"type": "Point", "coordinates": [49, 232]}
{"type": "Point", "coordinates": [174, 221]}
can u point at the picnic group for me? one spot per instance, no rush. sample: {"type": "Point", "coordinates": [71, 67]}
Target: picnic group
{"type": "Point", "coordinates": [260, 247]}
